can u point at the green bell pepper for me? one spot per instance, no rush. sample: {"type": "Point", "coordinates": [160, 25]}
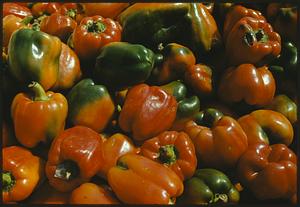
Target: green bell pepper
{"type": "Point", "coordinates": [34, 56]}
{"type": "Point", "coordinates": [120, 65]}
{"type": "Point", "coordinates": [209, 186]}
{"type": "Point", "coordinates": [177, 89]}
{"type": "Point", "coordinates": [90, 105]}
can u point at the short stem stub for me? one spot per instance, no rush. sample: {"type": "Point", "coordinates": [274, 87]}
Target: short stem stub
{"type": "Point", "coordinates": [219, 197]}
{"type": "Point", "coordinates": [8, 181]}
{"type": "Point", "coordinates": [95, 26]}
{"type": "Point", "coordinates": [167, 154]}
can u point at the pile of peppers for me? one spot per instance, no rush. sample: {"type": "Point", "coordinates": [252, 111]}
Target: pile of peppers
{"type": "Point", "coordinates": [149, 103]}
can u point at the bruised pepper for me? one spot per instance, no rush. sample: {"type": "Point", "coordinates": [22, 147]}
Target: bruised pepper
{"type": "Point", "coordinates": [90, 105]}
{"type": "Point", "coordinates": [38, 118]}
{"type": "Point", "coordinates": [75, 157]}
{"type": "Point", "coordinates": [21, 172]}
{"type": "Point", "coordinates": [139, 180]}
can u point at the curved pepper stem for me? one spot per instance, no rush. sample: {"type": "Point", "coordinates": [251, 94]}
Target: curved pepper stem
{"type": "Point", "coordinates": [219, 197]}
{"type": "Point", "coordinates": [39, 92]}
{"type": "Point", "coordinates": [168, 154]}
{"type": "Point", "coordinates": [8, 181]}
{"type": "Point", "coordinates": [95, 26]}
{"type": "Point", "coordinates": [67, 170]}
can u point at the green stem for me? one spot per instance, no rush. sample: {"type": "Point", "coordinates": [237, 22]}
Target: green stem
{"type": "Point", "coordinates": [219, 197]}
{"type": "Point", "coordinates": [39, 92]}
{"type": "Point", "coordinates": [72, 13]}
{"type": "Point", "coordinates": [95, 26]}
{"type": "Point", "coordinates": [167, 154]}
{"type": "Point", "coordinates": [8, 181]}
{"type": "Point", "coordinates": [27, 20]}
{"type": "Point", "coordinates": [67, 170]}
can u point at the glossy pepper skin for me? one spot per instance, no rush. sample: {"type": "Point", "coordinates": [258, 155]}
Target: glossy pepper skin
{"type": "Point", "coordinates": [139, 180]}
{"type": "Point", "coordinates": [42, 8]}
{"type": "Point", "coordinates": [270, 172]}
{"type": "Point", "coordinates": [21, 173]}
{"type": "Point", "coordinates": [173, 149]}
{"type": "Point", "coordinates": [219, 140]}
{"type": "Point", "coordinates": [92, 34]}
{"type": "Point", "coordinates": [255, 41]}
{"type": "Point", "coordinates": [106, 10]}
{"type": "Point", "coordinates": [113, 148]}
{"type": "Point", "coordinates": [90, 105]}
{"type": "Point", "coordinates": [254, 85]}
{"type": "Point", "coordinates": [236, 13]}
{"type": "Point", "coordinates": [209, 186]}
{"type": "Point", "coordinates": [39, 118]}
{"type": "Point", "coordinates": [124, 63]}
{"type": "Point", "coordinates": [34, 56]}
{"type": "Point", "coordinates": [58, 25]}
{"type": "Point", "coordinates": [284, 105]}
{"type": "Point", "coordinates": [267, 126]}
{"type": "Point", "coordinates": [15, 9]}
{"type": "Point", "coordinates": [75, 157]}
{"type": "Point", "coordinates": [90, 193]}
{"type": "Point", "coordinates": [147, 111]}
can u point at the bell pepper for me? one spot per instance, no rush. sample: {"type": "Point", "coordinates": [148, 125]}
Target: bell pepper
{"type": "Point", "coordinates": [113, 148]}
{"type": "Point", "coordinates": [139, 180]}
{"type": "Point", "coordinates": [16, 9]}
{"type": "Point", "coordinates": [72, 10]}
{"type": "Point", "coordinates": [75, 157]}
{"type": "Point", "coordinates": [254, 85]}
{"type": "Point", "coordinates": [236, 13]}
{"type": "Point", "coordinates": [90, 193]}
{"type": "Point", "coordinates": [173, 149]}
{"type": "Point", "coordinates": [42, 8]}
{"type": "Point", "coordinates": [270, 172]}
{"type": "Point", "coordinates": [199, 78]}
{"type": "Point", "coordinates": [219, 140]}
{"type": "Point", "coordinates": [21, 173]}
{"type": "Point", "coordinates": [286, 106]}
{"type": "Point", "coordinates": [90, 105]}
{"type": "Point", "coordinates": [126, 64]}
{"type": "Point", "coordinates": [176, 60]}
{"type": "Point", "coordinates": [267, 126]}
{"type": "Point", "coordinates": [147, 111]}
{"type": "Point", "coordinates": [58, 25]}
{"type": "Point", "coordinates": [46, 194]}
{"type": "Point", "coordinates": [69, 72]}
{"type": "Point", "coordinates": [106, 10]}
{"type": "Point", "coordinates": [209, 186]}
{"type": "Point", "coordinates": [92, 34]}
{"type": "Point", "coordinates": [38, 118]}
{"type": "Point", "coordinates": [34, 56]}
{"type": "Point", "coordinates": [255, 41]}
{"type": "Point", "coordinates": [283, 17]}
{"type": "Point", "coordinates": [176, 89]}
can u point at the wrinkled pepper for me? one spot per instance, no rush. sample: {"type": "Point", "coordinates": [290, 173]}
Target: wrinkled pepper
{"type": "Point", "coordinates": [16, 9]}
{"type": "Point", "coordinates": [254, 85]}
{"type": "Point", "coordinates": [124, 63]}
{"type": "Point", "coordinates": [92, 34]}
{"type": "Point", "coordinates": [90, 193]}
{"type": "Point", "coordinates": [255, 41]}
{"type": "Point", "coordinates": [270, 172]}
{"type": "Point", "coordinates": [34, 56]}
{"type": "Point", "coordinates": [113, 148]}
{"type": "Point", "coordinates": [139, 180]}
{"type": "Point", "coordinates": [173, 149]}
{"type": "Point", "coordinates": [267, 126]}
{"type": "Point", "coordinates": [38, 118]}
{"type": "Point", "coordinates": [21, 173]}
{"type": "Point", "coordinates": [209, 186]}
{"type": "Point", "coordinates": [75, 157]}
{"type": "Point", "coordinates": [147, 111]}
{"type": "Point", "coordinates": [90, 105]}
{"type": "Point", "coordinates": [219, 140]}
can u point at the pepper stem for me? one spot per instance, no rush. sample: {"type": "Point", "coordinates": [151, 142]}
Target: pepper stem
{"type": "Point", "coordinates": [39, 92]}
{"type": "Point", "coordinates": [8, 181]}
{"type": "Point", "coordinates": [219, 197]}
{"type": "Point", "coordinates": [72, 13]}
{"type": "Point", "coordinates": [167, 154]}
{"type": "Point", "coordinates": [67, 170]}
{"type": "Point", "coordinates": [95, 26]}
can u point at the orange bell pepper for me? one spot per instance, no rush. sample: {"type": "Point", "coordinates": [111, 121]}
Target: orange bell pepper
{"type": "Point", "coordinates": [43, 8]}
{"type": "Point", "coordinates": [16, 9]}
{"type": "Point", "coordinates": [139, 180]}
{"type": "Point", "coordinates": [38, 119]}
{"type": "Point", "coordinates": [267, 126]}
{"type": "Point", "coordinates": [75, 157]}
{"type": "Point", "coordinates": [113, 148]}
{"type": "Point", "coordinates": [147, 111]}
{"type": "Point", "coordinates": [21, 173]}
{"type": "Point", "coordinates": [106, 10]}
{"type": "Point", "coordinates": [256, 86]}
{"type": "Point", "coordinates": [173, 149]}
{"type": "Point", "coordinates": [90, 193]}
